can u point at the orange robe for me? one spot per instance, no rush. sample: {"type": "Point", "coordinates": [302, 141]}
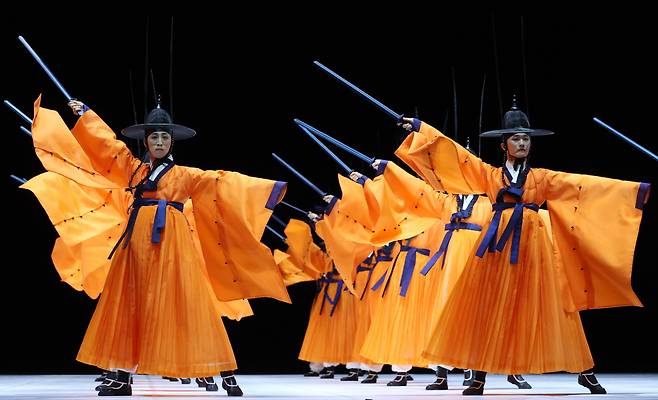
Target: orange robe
{"type": "Point", "coordinates": [158, 310]}
{"type": "Point", "coordinates": [331, 335]}
{"type": "Point", "coordinates": [332, 323]}
{"type": "Point", "coordinates": [367, 300]}
{"type": "Point", "coordinates": [444, 274]}
{"type": "Point", "coordinates": [394, 206]}
{"type": "Point", "coordinates": [370, 216]}
{"type": "Point", "coordinates": [522, 318]}
{"type": "Point", "coordinates": [89, 222]}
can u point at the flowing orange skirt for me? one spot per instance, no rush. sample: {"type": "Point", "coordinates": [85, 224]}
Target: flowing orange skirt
{"type": "Point", "coordinates": [365, 311]}
{"type": "Point", "coordinates": [394, 336]}
{"type": "Point", "coordinates": [511, 319]}
{"type": "Point", "coordinates": [441, 281]}
{"type": "Point", "coordinates": [330, 338]}
{"type": "Point", "coordinates": [157, 311]}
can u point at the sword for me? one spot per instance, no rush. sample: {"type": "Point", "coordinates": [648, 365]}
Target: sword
{"type": "Point", "coordinates": [26, 131]}
{"type": "Point", "coordinates": [279, 221]}
{"type": "Point", "coordinates": [340, 162]}
{"type": "Point", "coordinates": [17, 111]}
{"type": "Point", "coordinates": [336, 142]}
{"type": "Point", "coordinates": [299, 210]}
{"type": "Point", "coordinates": [628, 140]}
{"type": "Point", "coordinates": [45, 68]}
{"type": "Point", "coordinates": [398, 117]}
{"type": "Point", "coordinates": [280, 236]}
{"type": "Point", "coordinates": [18, 179]}
{"type": "Point", "coordinates": [300, 176]}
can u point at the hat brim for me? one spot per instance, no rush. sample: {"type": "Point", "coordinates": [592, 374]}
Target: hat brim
{"type": "Point", "coordinates": [179, 132]}
{"type": "Point", "coordinates": [512, 131]}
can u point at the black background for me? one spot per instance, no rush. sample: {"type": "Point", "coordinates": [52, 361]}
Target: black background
{"type": "Point", "coordinates": [240, 84]}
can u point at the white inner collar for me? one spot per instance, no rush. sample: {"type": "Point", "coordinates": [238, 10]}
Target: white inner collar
{"type": "Point", "coordinates": [466, 200]}
{"type": "Point", "coordinates": [514, 173]}
{"type": "Point", "coordinates": [154, 174]}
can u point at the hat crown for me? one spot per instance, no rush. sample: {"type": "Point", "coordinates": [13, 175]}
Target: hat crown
{"type": "Point", "coordinates": [158, 116]}
{"type": "Point", "coordinates": [515, 118]}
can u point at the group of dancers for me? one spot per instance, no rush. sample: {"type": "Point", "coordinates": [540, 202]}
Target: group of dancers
{"type": "Point", "coordinates": [461, 264]}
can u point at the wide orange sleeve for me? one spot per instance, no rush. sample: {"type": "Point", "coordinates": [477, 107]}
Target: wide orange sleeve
{"type": "Point", "coordinates": [109, 156]}
{"type": "Point", "coordinates": [443, 163]}
{"type": "Point", "coordinates": [303, 251]}
{"type": "Point", "coordinates": [88, 220]}
{"type": "Point", "coordinates": [230, 213]}
{"type": "Point", "coordinates": [595, 224]}
{"type": "Point", "coordinates": [291, 272]}
{"type": "Point", "coordinates": [347, 243]}
{"type": "Point", "coordinates": [407, 206]}
{"type": "Point", "coordinates": [60, 152]}
{"type": "Point", "coordinates": [232, 309]}
{"type": "Point", "coordinates": [393, 206]}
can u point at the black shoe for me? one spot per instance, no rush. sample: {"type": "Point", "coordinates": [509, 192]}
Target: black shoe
{"type": "Point", "coordinates": [208, 382]}
{"type": "Point", "coordinates": [468, 377]}
{"type": "Point", "coordinates": [518, 381]}
{"type": "Point", "coordinates": [353, 376]}
{"type": "Point", "coordinates": [362, 372]}
{"type": "Point", "coordinates": [329, 374]}
{"type": "Point", "coordinates": [311, 373]}
{"type": "Point", "coordinates": [409, 378]}
{"type": "Point", "coordinates": [371, 378]}
{"type": "Point", "coordinates": [109, 378]}
{"type": "Point", "coordinates": [170, 379]}
{"type": "Point", "coordinates": [399, 380]}
{"type": "Point", "coordinates": [211, 386]}
{"type": "Point", "coordinates": [475, 389]}
{"type": "Point", "coordinates": [101, 378]}
{"type": "Point", "coordinates": [231, 386]}
{"type": "Point", "coordinates": [116, 388]}
{"type": "Point", "coordinates": [185, 381]}
{"type": "Point", "coordinates": [590, 382]}
{"type": "Point", "coordinates": [438, 384]}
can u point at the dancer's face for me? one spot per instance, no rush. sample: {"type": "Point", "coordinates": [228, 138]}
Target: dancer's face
{"type": "Point", "coordinates": [159, 143]}
{"type": "Point", "coordinates": [518, 146]}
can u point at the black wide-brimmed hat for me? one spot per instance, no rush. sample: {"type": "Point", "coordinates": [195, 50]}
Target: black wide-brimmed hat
{"type": "Point", "coordinates": [158, 119]}
{"type": "Point", "coordinates": [516, 121]}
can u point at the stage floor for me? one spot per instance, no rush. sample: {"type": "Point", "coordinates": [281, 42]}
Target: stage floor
{"type": "Point", "coordinates": [276, 387]}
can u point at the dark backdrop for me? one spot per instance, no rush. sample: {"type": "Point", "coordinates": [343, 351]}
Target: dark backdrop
{"type": "Point", "coordinates": [241, 85]}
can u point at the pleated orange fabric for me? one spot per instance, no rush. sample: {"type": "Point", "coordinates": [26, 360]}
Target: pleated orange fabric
{"type": "Point", "coordinates": [368, 300]}
{"type": "Point", "coordinates": [158, 311]}
{"type": "Point", "coordinates": [397, 332]}
{"type": "Point", "coordinates": [330, 332]}
{"type": "Point", "coordinates": [395, 206]}
{"type": "Point", "coordinates": [443, 277]}
{"type": "Point", "coordinates": [515, 318]}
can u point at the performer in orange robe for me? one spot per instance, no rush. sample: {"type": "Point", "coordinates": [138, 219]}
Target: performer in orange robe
{"type": "Point", "coordinates": [158, 313]}
{"type": "Point", "coordinates": [328, 340]}
{"type": "Point", "coordinates": [376, 213]}
{"type": "Point", "coordinates": [515, 308]}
